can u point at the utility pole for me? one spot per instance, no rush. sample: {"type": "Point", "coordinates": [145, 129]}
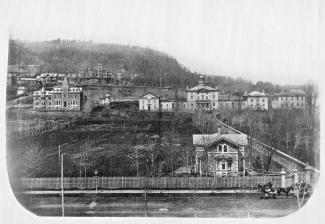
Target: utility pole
{"type": "Point", "coordinates": [62, 189]}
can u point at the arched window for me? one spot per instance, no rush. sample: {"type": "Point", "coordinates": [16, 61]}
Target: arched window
{"type": "Point", "coordinates": [225, 148]}
{"type": "Point", "coordinates": [220, 148]}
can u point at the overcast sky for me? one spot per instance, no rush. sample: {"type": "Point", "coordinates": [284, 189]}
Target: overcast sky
{"type": "Point", "coordinates": [268, 40]}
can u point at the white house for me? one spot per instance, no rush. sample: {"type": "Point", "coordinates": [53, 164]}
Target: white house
{"type": "Point", "coordinates": [202, 97]}
{"type": "Point", "coordinates": [149, 102]}
{"type": "Point", "coordinates": [21, 90]}
{"type": "Point", "coordinates": [255, 100]}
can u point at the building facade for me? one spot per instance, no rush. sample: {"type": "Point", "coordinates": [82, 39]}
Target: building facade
{"type": "Point", "coordinates": [293, 99]}
{"type": "Point", "coordinates": [149, 102]}
{"type": "Point", "coordinates": [229, 101]}
{"type": "Point", "coordinates": [202, 97]}
{"type": "Point", "coordinates": [60, 98]}
{"type": "Point", "coordinates": [168, 105]}
{"type": "Point", "coordinates": [255, 100]}
{"type": "Point", "coordinates": [220, 154]}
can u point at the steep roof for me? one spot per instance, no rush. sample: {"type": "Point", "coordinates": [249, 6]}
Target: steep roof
{"type": "Point", "coordinates": [239, 139]}
{"type": "Point", "coordinates": [65, 81]}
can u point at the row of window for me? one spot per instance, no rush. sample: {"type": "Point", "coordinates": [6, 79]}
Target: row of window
{"type": "Point", "coordinates": [258, 100]}
{"type": "Point", "coordinates": [206, 97]}
{"type": "Point", "coordinates": [292, 98]}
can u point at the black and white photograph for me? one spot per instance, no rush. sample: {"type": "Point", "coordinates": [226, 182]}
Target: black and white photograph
{"type": "Point", "coordinates": [163, 109]}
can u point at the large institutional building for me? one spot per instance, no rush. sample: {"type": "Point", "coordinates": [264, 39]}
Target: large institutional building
{"type": "Point", "coordinates": [60, 98]}
{"type": "Point", "coordinates": [202, 97]}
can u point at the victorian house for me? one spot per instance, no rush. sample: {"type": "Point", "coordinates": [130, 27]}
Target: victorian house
{"type": "Point", "coordinates": [220, 154]}
{"type": "Point", "coordinates": [64, 97]}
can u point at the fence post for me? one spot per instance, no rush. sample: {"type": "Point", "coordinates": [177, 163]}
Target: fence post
{"type": "Point", "coordinates": [307, 175]}
{"type": "Point", "coordinates": [295, 176]}
{"type": "Point", "coordinates": [283, 178]}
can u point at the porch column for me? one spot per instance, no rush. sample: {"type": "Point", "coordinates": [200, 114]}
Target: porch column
{"type": "Point", "coordinates": [283, 178]}
{"type": "Point", "coordinates": [307, 175]}
{"type": "Point", "coordinates": [196, 164]}
{"type": "Point", "coordinates": [295, 176]}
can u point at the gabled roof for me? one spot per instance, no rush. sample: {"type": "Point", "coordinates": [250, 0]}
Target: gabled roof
{"type": "Point", "coordinates": [238, 139]}
{"type": "Point", "coordinates": [153, 95]}
{"type": "Point", "coordinates": [204, 88]}
{"type": "Point", "coordinates": [255, 93]}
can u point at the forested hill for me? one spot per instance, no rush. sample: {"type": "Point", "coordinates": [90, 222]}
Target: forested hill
{"type": "Point", "coordinates": [61, 56]}
{"type": "Point", "coordinates": [74, 56]}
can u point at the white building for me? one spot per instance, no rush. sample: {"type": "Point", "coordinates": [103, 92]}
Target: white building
{"type": "Point", "coordinates": [149, 102]}
{"type": "Point", "coordinates": [21, 90]}
{"type": "Point", "coordinates": [202, 97]}
{"type": "Point", "coordinates": [105, 101]}
{"type": "Point", "coordinates": [255, 100]}
{"type": "Point", "coordinates": [293, 99]}
{"type": "Point", "coordinates": [168, 105]}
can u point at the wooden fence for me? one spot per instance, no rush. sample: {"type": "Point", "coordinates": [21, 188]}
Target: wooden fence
{"type": "Point", "coordinates": [236, 182]}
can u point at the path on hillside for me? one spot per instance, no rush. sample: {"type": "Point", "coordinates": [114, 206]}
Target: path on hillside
{"type": "Point", "coordinates": [208, 123]}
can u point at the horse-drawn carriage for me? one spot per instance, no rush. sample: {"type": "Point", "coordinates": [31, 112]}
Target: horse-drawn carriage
{"type": "Point", "coordinates": [299, 189]}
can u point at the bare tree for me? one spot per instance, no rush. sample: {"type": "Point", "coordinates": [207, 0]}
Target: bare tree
{"type": "Point", "coordinates": [35, 159]}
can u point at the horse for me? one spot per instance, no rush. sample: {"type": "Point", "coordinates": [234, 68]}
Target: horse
{"type": "Point", "coordinates": [285, 190]}
{"type": "Point", "coordinates": [268, 191]}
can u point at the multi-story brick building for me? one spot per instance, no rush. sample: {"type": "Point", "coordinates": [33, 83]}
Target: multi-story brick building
{"type": "Point", "coordinates": [60, 98]}
{"type": "Point", "coordinates": [228, 101]}
{"type": "Point", "coordinates": [293, 99]}
{"type": "Point", "coordinates": [202, 97]}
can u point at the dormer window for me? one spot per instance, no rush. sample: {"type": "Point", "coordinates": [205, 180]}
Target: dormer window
{"type": "Point", "coordinates": [225, 148]}
{"type": "Point", "coordinates": [220, 148]}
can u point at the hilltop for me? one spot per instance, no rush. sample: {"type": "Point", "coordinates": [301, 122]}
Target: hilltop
{"type": "Point", "coordinates": [62, 56]}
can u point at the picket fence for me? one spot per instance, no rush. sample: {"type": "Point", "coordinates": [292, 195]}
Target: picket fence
{"type": "Point", "coordinates": [237, 182]}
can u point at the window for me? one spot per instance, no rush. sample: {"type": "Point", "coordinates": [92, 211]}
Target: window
{"type": "Point", "coordinates": [213, 104]}
{"type": "Point", "coordinates": [223, 165]}
{"type": "Point", "coordinates": [251, 100]}
{"type": "Point", "coordinates": [214, 96]}
{"type": "Point", "coordinates": [206, 97]}
{"type": "Point", "coordinates": [225, 148]}
{"type": "Point", "coordinates": [220, 148]}
{"type": "Point", "coordinates": [148, 101]}
{"type": "Point", "coordinates": [191, 97]}
{"type": "Point", "coordinates": [263, 100]}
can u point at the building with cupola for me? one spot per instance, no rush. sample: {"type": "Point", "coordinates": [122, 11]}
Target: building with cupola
{"type": "Point", "coordinates": [202, 97]}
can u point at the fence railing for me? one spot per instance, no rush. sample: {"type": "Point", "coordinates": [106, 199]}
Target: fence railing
{"type": "Point", "coordinates": [236, 182]}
